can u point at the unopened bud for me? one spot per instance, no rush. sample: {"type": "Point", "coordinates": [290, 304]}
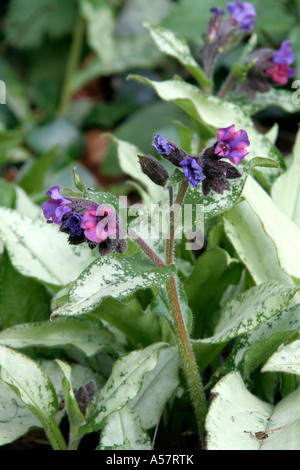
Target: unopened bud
{"type": "Point", "coordinates": [153, 169]}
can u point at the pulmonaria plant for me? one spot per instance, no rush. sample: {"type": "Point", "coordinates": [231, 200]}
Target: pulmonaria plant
{"type": "Point", "coordinates": [223, 33]}
{"type": "Point", "coordinates": [268, 67]}
{"type": "Point", "coordinates": [262, 69]}
{"type": "Point", "coordinates": [208, 168]}
{"type": "Point", "coordinates": [85, 221]}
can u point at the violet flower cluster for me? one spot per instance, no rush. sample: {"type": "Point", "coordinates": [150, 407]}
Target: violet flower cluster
{"type": "Point", "coordinates": [223, 33]}
{"type": "Point", "coordinates": [264, 68]}
{"type": "Point", "coordinates": [207, 168]}
{"type": "Point", "coordinates": [268, 67]}
{"type": "Point", "coordinates": [84, 221]}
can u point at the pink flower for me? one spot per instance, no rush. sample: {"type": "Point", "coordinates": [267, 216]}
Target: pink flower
{"type": "Point", "coordinates": [99, 223]}
{"type": "Point", "coordinates": [280, 73]}
{"type": "Point", "coordinates": [232, 144]}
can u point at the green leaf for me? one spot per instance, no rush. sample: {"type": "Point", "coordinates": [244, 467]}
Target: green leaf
{"type": "Point", "coordinates": [215, 204]}
{"type": "Point", "coordinates": [34, 388]}
{"type": "Point", "coordinates": [235, 415]}
{"type": "Point", "coordinates": [213, 272]}
{"type": "Point", "coordinates": [75, 333]}
{"type": "Point", "coordinates": [285, 191]}
{"type": "Point", "coordinates": [123, 384]}
{"type": "Point", "coordinates": [130, 53]}
{"type": "Point", "coordinates": [161, 305]}
{"type": "Point", "coordinates": [158, 387]}
{"type": "Point", "coordinates": [284, 232]}
{"type": "Point", "coordinates": [7, 194]}
{"type": "Point", "coordinates": [176, 46]}
{"type": "Point", "coordinates": [99, 17]}
{"type": "Point", "coordinates": [141, 328]}
{"type": "Point", "coordinates": [21, 299]}
{"type": "Point", "coordinates": [214, 113]}
{"type": "Point", "coordinates": [251, 309]}
{"type": "Point", "coordinates": [285, 359]}
{"type": "Point", "coordinates": [16, 419]}
{"type": "Point", "coordinates": [76, 418]}
{"type": "Point", "coordinates": [60, 134]}
{"type": "Point", "coordinates": [28, 24]}
{"type": "Point", "coordinates": [33, 177]}
{"type": "Point", "coordinates": [37, 249]}
{"type": "Point", "coordinates": [115, 277]}
{"type": "Point", "coordinates": [254, 348]}
{"type": "Point", "coordinates": [253, 246]}
{"type": "Point", "coordinates": [243, 314]}
{"type": "Point", "coordinates": [123, 431]}
{"type": "Point", "coordinates": [129, 162]}
{"type": "Point", "coordinates": [275, 98]}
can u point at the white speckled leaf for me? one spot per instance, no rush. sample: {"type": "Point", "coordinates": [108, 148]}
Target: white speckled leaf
{"type": "Point", "coordinates": [285, 191]}
{"type": "Point", "coordinates": [78, 333]}
{"type": "Point", "coordinates": [177, 47]}
{"type": "Point", "coordinates": [214, 113]}
{"type": "Point", "coordinates": [235, 415]}
{"type": "Point", "coordinates": [112, 276]}
{"type": "Point", "coordinates": [215, 203]}
{"type": "Point", "coordinates": [30, 383]}
{"type": "Point", "coordinates": [40, 250]}
{"type": "Point", "coordinates": [283, 231]}
{"type": "Point", "coordinates": [123, 384]}
{"type": "Point", "coordinates": [158, 386]}
{"type": "Point", "coordinates": [123, 431]}
{"type": "Point", "coordinates": [254, 247]}
{"type": "Point", "coordinates": [285, 359]}
{"type": "Point", "coordinates": [251, 309]}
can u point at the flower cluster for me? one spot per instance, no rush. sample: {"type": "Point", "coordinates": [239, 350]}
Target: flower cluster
{"type": "Point", "coordinates": [223, 33]}
{"type": "Point", "coordinates": [208, 168]}
{"type": "Point", "coordinates": [263, 68]}
{"type": "Point", "coordinates": [84, 221]}
{"type": "Point", "coordinates": [280, 71]}
{"type": "Point", "coordinates": [268, 67]}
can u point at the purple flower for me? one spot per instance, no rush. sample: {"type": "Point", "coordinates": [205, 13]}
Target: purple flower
{"type": "Point", "coordinates": [168, 150]}
{"type": "Point", "coordinates": [192, 171]}
{"type": "Point", "coordinates": [284, 54]}
{"type": "Point", "coordinates": [244, 13]}
{"type": "Point", "coordinates": [73, 225]}
{"type": "Point", "coordinates": [232, 144]}
{"type": "Point", "coordinates": [99, 223]}
{"type": "Point", "coordinates": [283, 58]}
{"type": "Point", "coordinates": [57, 207]}
{"type": "Point", "coordinates": [163, 146]}
{"type": "Point", "coordinates": [217, 11]}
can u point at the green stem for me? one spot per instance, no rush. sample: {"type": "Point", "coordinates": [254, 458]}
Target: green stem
{"type": "Point", "coordinates": [72, 66]}
{"type": "Point", "coordinates": [185, 348]}
{"type": "Point", "coordinates": [55, 436]}
{"type": "Point", "coordinates": [187, 357]}
{"type": "Point", "coordinates": [146, 248]}
{"type": "Point", "coordinates": [174, 213]}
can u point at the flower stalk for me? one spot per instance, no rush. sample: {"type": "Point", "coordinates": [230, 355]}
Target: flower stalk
{"type": "Point", "coordinates": [185, 348]}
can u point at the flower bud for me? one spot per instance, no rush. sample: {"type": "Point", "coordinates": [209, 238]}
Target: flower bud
{"type": "Point", "coordinates": [169, 150]}
{"type": "Point", "coordinates": [153, 169]}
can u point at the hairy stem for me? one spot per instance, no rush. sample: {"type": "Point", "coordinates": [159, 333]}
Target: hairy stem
{"type": "Point", "coordinates": [174, 214]}
{"type": "Point", "coordinates": [187, 358]}
{"type": "Point", "coordinates": [146, 248]}
{"type": "Point", "coordinates": [185, 348]}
